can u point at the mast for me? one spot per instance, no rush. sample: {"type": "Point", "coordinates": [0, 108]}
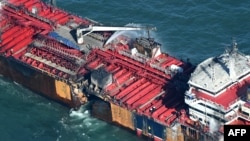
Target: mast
{"type": "Point", "coordinates": [232, 56]}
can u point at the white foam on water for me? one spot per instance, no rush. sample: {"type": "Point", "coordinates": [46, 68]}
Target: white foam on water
{"type": "Point", "coordinates": [59, 137]}
{"type": "Point", "coordinates": [81, 113]}
{"type": "Point", "coordinates": [17, 83]}
{"type": "Point", "coordinates": [81, 124]}
{"type": "Point", "coordinates": [77, 114]}
{"type": "Point", "coordinates": [77, 120]}
{"type": "Point", "coordinates": [3, 82]}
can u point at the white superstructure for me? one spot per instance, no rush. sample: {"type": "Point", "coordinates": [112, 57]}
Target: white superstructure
{"type": "Point", "coordinates": [218, 88]}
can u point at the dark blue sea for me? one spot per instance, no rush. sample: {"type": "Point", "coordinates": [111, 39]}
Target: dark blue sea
{"type": "Point", "coordinates": [194, 29]}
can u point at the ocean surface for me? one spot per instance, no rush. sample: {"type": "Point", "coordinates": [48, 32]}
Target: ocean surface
{"type": "Point", "coordinates": [194, 29]}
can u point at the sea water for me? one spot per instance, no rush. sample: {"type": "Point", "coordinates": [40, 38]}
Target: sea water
{"type": "Point", "coordinates": [194, 29]}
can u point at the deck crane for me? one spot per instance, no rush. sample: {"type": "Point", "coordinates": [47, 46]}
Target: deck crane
{"type": "Point", "coordinates": [91, 28]}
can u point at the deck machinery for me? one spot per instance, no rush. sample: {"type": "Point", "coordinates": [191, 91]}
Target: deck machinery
{"type": "Point", "coordinates": [72, 60]}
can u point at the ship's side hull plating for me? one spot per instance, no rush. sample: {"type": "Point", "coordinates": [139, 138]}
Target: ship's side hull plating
{"type": "Point", "coordinates": [71, 60]}
{"type": "Point", "coordinates": [144, 126]}
{"type": "Point", "coordinates": [36, 81]}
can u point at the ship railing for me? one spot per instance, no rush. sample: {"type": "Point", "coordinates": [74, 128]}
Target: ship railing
{"type": "Point", "coordinates": [40, 70]}
{"type": "Point", "coordinates": [141, 55]}
{"type": "Point", "coordinates": [221, 107]}
{"type": "Point", "coordinates": [29, 13]}
{"type": "Point", "coordinates": [236, 116]}
{"type": "Point", "coordinates": [96, 36]}
{"type": "Point", "coordinates": [230, 118]}
{"type": "Point", "coordinates": [56, 48]}
{"type": "Point", "coordinates": [225, 108]}
{"type": "Point", "coordinates": [235, 101]}
{"type": "Point", "coordinates": [166, 71]}
{"type": "Point", "coordinates": [38, 17]}
{"type": "Point", "coordinates": [142, 59]}
{"type": "Point", "coordinates": [157, 67]}
{"type": "Point", "coordinates": [84, 20]}
{"type": "Point", "coordinates": [65, 54]}
{"type": "Point", "coordinates": [244, 116]}
{"type": "Point", "coordinates": [128, 54]}
{"type": "Point", "coordinates": [106, 48]}
{"type": "Point", "coordinates": [12, 6]}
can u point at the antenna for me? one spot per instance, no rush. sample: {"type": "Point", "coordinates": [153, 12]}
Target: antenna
{"type": "Point", "coordinates": [148, 33]}
{"type": "Point", "coordinates": [234, 46]}
{"type": "Point", "coordinates": [233, 52]}
{"type": "Point", "coordinates": [148, 30]}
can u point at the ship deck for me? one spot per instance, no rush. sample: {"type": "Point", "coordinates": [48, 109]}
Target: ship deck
{"type": "Point", "coordinates": [44, 39]}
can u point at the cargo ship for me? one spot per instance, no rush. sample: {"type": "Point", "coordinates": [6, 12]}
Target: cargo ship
{"type": "Point", "coordinates": [125, 76]}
